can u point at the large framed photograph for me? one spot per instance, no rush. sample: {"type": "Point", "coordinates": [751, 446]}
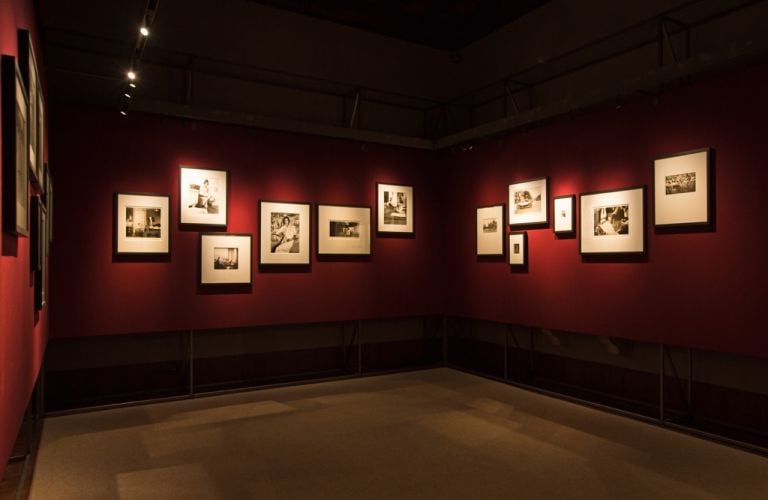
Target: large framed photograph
{"type": "Point", "coordinates": [528, 202]}
{"type": "Point", "coordinates": [518, 249]}
{"type": "Point", "coordinates": [283, 233]}
{"type": "Point", "coordinates": [203, 196]}
{"type": "Point", "coordinates": [490, 231]}
{"type": "Point", "coordinates": [142, 223]}
{"type": "Point", "coordinates": [612, 222]}
{"type": "Point", "coordinates": [225, 259]}
{"type": "Point", "coordinates": [30, 75]}
{"type": "Point", "coordinates": [564, 210]}
{"type": "Point", "coordinates": [394, 209]}
{"type": "Point", "coordinates": [681, 189]}
{"type": "Point", "coordinates": [38, 251]}
{"type": "Point", "coordinates": [343, 230]}
{"type": "Point", "coordinates": [15, 148]}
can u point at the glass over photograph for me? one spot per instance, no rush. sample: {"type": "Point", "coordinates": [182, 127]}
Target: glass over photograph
{"type": "Point", "coordinates": [284, 233]}
{"type": "Point", "coordinates": [285, 229]}
{"type": "Point", "coordinates": [611, 221]}
{"type": "Point", "coordinates": [343, 230]}
{"type": "Point", "coordinates": [142, 223]}
{"type": "Point", "coordinates": [528, 202]}
{"type": "Point", "coordinates": [681, 192]}
{"type": "Point", "coordinates": [395, 208]}
{"type": "Point", "coordinates": [490, 231]}
{"type": "Point", "coordinates": [225, 259]}
{"type": "Point", "coordinates": [203, 195]}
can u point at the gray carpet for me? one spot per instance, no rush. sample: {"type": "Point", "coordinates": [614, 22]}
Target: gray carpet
{"type": "Point", "coordinates": [431, 434]}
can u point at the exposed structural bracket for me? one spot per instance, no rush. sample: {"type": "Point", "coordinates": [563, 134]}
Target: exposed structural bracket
{"type": "Point", "coordinates": [666, 39]}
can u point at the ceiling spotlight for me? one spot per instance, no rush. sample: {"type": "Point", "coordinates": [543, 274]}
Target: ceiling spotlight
{"type": "Point", "coordinates": [123, 112]}
{"type": "Point", "coordinates": [132, 85]}
{"type": "Point", "coordinates": [131, 75]}
{"type": "Point", "coordinates": [127, 95]}
{"type": "Point", "coordinates": [144, 31]}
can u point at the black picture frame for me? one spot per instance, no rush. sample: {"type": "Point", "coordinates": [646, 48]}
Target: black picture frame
{"type": "Point", "coordinates": [327, 247]}
{"type": "Point", "coordinates": [518, 256]}
{"type": "Point", "coordinates": [15, 148]}
{"type": "Point", "coordinates": [196, 209]}
{"type": "Point", "coordinates": [681, 201]}
{"type": "Point", "coordinates": [604, 231]}
{"type": "Point", "coordinates": [122, 245]}
{"type": "Point", "coordinates": [519, 206]}
{"type": "Point", "coordinates": [211, 275]}
{"type": "Point", "coordinates": [39, 251]}
{"type": "Point", "coordinates": [268, 256]}
{"type": "Point", "coordinates": [564, 224]}
{"type": "Point", "coordinates": [388, 218]}
{"type": "Point", "coordinates": [36, 116]}
{"type": "Point", "coordinates": [483, 244]}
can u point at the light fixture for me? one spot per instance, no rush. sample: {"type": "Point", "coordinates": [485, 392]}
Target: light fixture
{"type": "Point", "coordinates": [127, 95]}
{"type": "Point", "coordinates": [132, 85]}
{"type": "Point", "coordinates": [131, 75]}
{"type": "Point", "coordinates": [123, 112]}
{"type": "Point", "coordinates": [144, 31]}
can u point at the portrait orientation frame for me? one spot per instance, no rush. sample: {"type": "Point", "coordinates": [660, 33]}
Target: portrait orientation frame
{"type": "Point", "coordinates": [15, 148]}
{"type": "Point", "coordinates": [282, 244]}
{"type": "Point", "coordinates": [682, 189]}
{"type": "Point", "coordinates": [564, 214]}
{"type": "Point", "coordinates": [395, 214]}
{"type": "Point", "coordinates": [343, 230]}
{"type": "Point", "coordinates": [529, 202]}
{"type": "Point", "coordinates": [36, 115]}
{"type": "Point", "coordinates": [203, 196]}
{"type": "Point", "coordinates": [225, 259]}
{"type": "Point", "coordinates": [39, 251]}
{"type": "Point", "coordinates": [490, 230]}
{"type": "Point", "coordinates": [518, 248]}
{"type": "Point", "coordinates": [612, 221]}
{"type": "Point", "coordinates": [142, 231]}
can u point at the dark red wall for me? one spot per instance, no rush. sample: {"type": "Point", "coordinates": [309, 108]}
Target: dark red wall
{"type": "Point", "coordinates": [100, 153]}
{"type": "Point", "coordinates": [703, 289]}
{"type": "Point", "coordinates": [23, 332]}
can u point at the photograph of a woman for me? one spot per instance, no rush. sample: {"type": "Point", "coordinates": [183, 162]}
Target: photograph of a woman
{"type": "Point", "coordinates": [285, 233]}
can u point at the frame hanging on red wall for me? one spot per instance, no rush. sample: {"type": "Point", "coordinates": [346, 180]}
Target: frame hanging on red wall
{"type": "Point", "coordinates": [284, 233]}
{"type": "Point", "coordinates": [518, 249]}
{"type": "Point", "coordinates": [142, 224]}
{"type": "Point", "coordinates": [529, 202]}
{"type": "Point", "coordinates": [15, 149]}
{"type": "Point", "coordinates": [490, 231]}
{"type": "Point", "coordinates": [225, 259]}
{"type": "Point", "coordinates": [564, 210]}
{"type": "Point", "coordinates": [203, 196]}
{"type": "Point", "coordinates": [682, 189]}
{"type": "Point", "coordinates": [612, 222]}
{"type": "Point", "coordinates": [394, 209]}
{"type": "Point", "coordinates": [343, 230]}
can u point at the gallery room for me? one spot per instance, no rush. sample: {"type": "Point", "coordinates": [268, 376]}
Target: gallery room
{"type": "Point", "coordinates": [384, 249]}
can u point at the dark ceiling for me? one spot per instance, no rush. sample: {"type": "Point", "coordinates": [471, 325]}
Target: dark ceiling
{"type": "Point", "coordinates": [441, 24]}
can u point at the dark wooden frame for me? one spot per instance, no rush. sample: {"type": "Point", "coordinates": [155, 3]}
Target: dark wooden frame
{"type": "Point", "coordinates": [181, 200]}
{"type": "Point", "coordinates": [115, 215]}
{"type": "Point", "coordinates": [411, 210]}
{"type": "Point", "coordinates": [710, 192]}
{"type": "Point", "coordinates": [524, 234]}
{"type": "Point", "coordinates": [572, 197]}
{"type": "Point", "coordinates": [200, 260]}
{"type": "Point", "coordinates": [643, 211]}
{"type": "Point", "coordinates": [502, 231]}
{"type": "Point", "coordinates": [370, 230]}
{"type": "Point", "coordinates": [38, 245]}
{"type": "Point", "coordinates": [12, 86]}
{"type": "Point", "coordinates": [544, 204]}
{"type": "Point", "coordinates": [309, 236]}
{"type": "Point", "coordinates": [29, 70]}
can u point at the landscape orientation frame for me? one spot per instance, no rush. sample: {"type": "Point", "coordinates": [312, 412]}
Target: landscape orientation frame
{"type": "Point", "coordinates": [343, 230]}
{"type": "Point", "coordinates": [612, 222]}
{"type": "Point", "coordinates": [529, 202]}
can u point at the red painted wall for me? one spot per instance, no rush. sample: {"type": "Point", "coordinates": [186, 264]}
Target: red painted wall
{"type": "Point", "coordinates": [23, 332]}
{"type": "Point", "coordinates": [100, 153]}
{"type": "Point", "coordinates": [701, 289]}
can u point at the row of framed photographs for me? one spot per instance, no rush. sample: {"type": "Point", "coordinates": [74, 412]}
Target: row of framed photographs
{"type": "Point", "coordinates": [610, 222]}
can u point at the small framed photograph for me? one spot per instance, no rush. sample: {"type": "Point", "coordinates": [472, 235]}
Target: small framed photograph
{"type": "Point", "coordinates": [203, 196]}
{"type": "Point", "coordinates": [38, 250]}
{"type": "Point", "coordinates": [612, 222]}
{"type": "Point", "coordinates": [283, 233]}
{"type": "Point", "coordinates": [343, 230]}
{"type": "Point", "coordinates": [394, 209]}
{"type": "Point", "coordinates": [225, 259]}
{"type": "Point", "coordinates": [15, 149]}
{"type": "Point", "coordinates": [490, 231]}
{"type": "Point", "coordinates": [681, 189]}
{"type": "Point", "coordinates": [518, 249]}
{"type": "Point", "coordinates": [528, 202]}
{"type": "Point", "coordinates": [564, 210]}
{"type": "Point", "coordinates": [142, 223]}
{"type": "Point", "coordinates": [49, 204]}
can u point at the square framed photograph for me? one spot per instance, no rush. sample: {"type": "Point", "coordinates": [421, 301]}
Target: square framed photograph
{"type": "Point", "coordinates": [490, 231]}
{"type": "Point", "coordinates": [203, 195]}
{"type": "Point", "coordinates": [142, 223]}
{"type": "Point", "coordinates": [564, 210]}
{"type": "Point", "coordinates": [528, 202]}
{"type": "Point", "coordinates": [682, 189]}
{"type": "Point", "coordinates": [283, 233]}
{"type": "Point", "coordinates": [15, 148]}
{"type": "Point", "coordinates": [394, 209]}
{"type": "Point", "coordinates": [225, 259]}
{"type": "Point", "coordinates": [29, 73]}
{"type": "Point", "coordinates": [612, 222]}
{"type": "Point", "coordinates": [518, 249]}
{"type": "Point", "coordinates": [343, 230]}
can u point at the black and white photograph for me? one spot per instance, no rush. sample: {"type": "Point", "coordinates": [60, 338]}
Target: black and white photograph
{"type": "Point", "coordinates": [225, 259]}
{"type": "Point", "coordinates": [681, 189]}
{"type": "Point", "coordinates": [395, 208]}
{"type": "Point", "coordinates": [528, 202]}
{"type": "Point", "coordinates": [490, 231]}
{"type": "Point", "coordinates": [15, 149]}
{"type": "Point", "coordinates": [612, 222]}
{"type": "Point", "coordinates": [284, 233]}
{"type": "Point", "coordinates": [203, 194]}
{"type": "Point", "coordinates": [518, 249]}
{"type": "Point", "coordinates": [29, 73]}
{"type": "Point", "coordinates": [564, 211]}
{"type": "Point", "coordinates": [344, 229]}
{"type": "Point", "coordinates": [142, 224]}
{"type": "Point", "coordinates": [348, 230]}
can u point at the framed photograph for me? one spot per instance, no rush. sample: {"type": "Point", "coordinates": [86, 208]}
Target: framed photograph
{"type": "Point", "coordinates": [15, 148]}
{"type": "Point", "coordinates": [528, 202]}
{"type": "Point", "coordinates": [490, 230]}
{"type": "Point", "coordinates": [225, 259]}
{"type": "Point", "coordinates": [612, 222]}
{"type": "Point", "coordinates": [681, 189]}
{"type": "Point", "coordinates": [394, 209]}
{"type": "Point", "coordinates": [29, 73]}
{"type": "Point", "coordinates": [518, 249]}
{"type": "Point", "coordinates": [203, 196]}
{"type": "Point", "coordinates": [283, 233]}
{"type": "Point", "coordinates": [343, 230]}
{"type": "Point", "coordinates": [38, 250]}
{"type": "Point", "coordinates": [564, 210]}
{"type": "Point", "coordinates": [49, 204]}
{"type": "Point", "coordinates": [142, 223]}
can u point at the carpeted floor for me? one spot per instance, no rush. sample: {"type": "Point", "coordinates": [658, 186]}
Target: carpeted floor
{"type": "Point", "coordinates": [431, 434]}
